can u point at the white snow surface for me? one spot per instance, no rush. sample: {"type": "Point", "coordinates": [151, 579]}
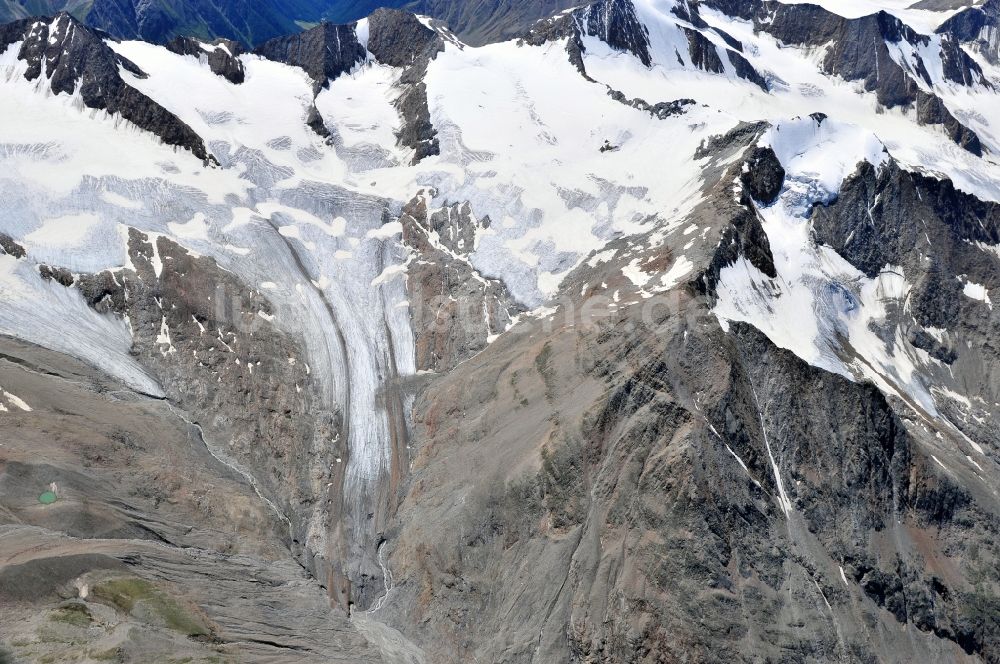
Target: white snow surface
{"type": "Point", "coordinates": [798, 87]}
{"type": "Point", "coordinates": [820, 306]}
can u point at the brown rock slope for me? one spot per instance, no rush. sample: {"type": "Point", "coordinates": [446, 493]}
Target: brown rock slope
{"type": "Point", "coordinates": [644, 486]}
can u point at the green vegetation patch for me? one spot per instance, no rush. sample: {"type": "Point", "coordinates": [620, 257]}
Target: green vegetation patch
{"type": "Point", "coordinates": [125, 593]}
{"type": "Point", "coordinates": [72, 614]}
{"type": "Point", "coordinates": [112, 654]}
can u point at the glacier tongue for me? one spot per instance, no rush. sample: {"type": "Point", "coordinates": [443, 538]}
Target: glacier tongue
{"type": "Point", "coordinates": [269, 216]}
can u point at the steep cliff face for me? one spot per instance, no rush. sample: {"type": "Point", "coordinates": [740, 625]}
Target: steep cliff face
{"type": "Point", "coordinates": [324, 52]}
{"type": "Point", "coordinates": [949, 273]}
{"type": "Point", "coordinates": [456, 311]}
{"type": "Point", "coordinates": [977, 27]}
{"type": "Point", "coordinates": [680, 37]}
{"type": "Point", "coordinates": [399, 39]}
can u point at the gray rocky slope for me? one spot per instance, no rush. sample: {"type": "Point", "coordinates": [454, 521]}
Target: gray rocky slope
{"type": "Point", "coordinates": [632, 510]}
{"type": "Point", "coordinates": [643, 470]}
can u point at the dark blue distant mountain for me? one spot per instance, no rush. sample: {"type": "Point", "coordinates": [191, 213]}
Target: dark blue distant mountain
{"type": "Point", "coordinates": [255, 21]}
{"type": "Point", "coordinates": [247, 21]}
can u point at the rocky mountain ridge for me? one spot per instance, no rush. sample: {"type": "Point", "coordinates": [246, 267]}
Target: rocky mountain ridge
{"type": "Point", "coordinates": [74, 59]}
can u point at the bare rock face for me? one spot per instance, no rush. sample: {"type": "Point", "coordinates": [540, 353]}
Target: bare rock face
{"type": "Point", "coordinates": [75, 59]}
{"type": "Point", "coordinates": [395, 38]}
{"type": "Point", "coordinates": [9, 247]}
{"type": "Point", "coordinates": [707, 56]}
{"type": "Point", "coordinates": [977, 27]}
{"type": "Point", "coordinates": [742, 234]}
{"type": "Point", "coordinates": [616, 23]}
{"type": "Point", "coordinates": [222, 55]}
{"type": "Point", "coordinates": [324, 52]}
{"type": "Point", "coordinates": [58, 274]}
{"type": "Point", "coordinates": [554, 28]}
{"type": "Point", "coordinates": [871, 226]}
{"type": "Point", "coordinates": [932, 111]}
{"type": "Point", "coordinates": [456, 311]}
{"type": "Point", "coordinates": [399, 39]}
{"type": "Point", "coordinates": [894, 196]}
{"type": "Point", "coordinates": [763, 175]}
{"type": "Point", "coordinates": [661, 109]}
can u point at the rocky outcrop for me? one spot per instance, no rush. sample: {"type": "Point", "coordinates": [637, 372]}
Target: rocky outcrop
{"type": "Point", "coordinates": [9, 247]}
{"type": "Point", "coordinates": [456, 312]}
{"type": "Point", "coordinates": [554, 28]}
{"type": "Point", "coordinates": [75, 60]}
{"type": "Point", "coordinates": [932, 111]}
{"type": "Point", "coordinates": [977, 26]}
{"type": "Point", "coordinates": [763, 175]}
{"type": "Point", "coordinates": [222, 55]}
{"type": "Point", "coordinates": [661, 109]}
{"type": "Point", "coordinates": [400, 39]}
{"type": "Point", "coordinates": [58, 274]}
{"type": "Point", "coordinates": [707, 56]}
{"type": "Point", "coordinates": [395, 38]}
{"type": "Point", "coordinates": [889, 197]}
{"type": "Point", "coordinates": [615, 23]}
{"type": "Point", "coordinates": [741, 234]}
{"type": "Point", "coordinates": [324, 52]}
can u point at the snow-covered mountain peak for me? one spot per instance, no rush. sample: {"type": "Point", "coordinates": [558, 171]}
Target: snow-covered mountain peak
{"type": "Point", "coordinates": [75, 60]}
{"type": "Point", "coordinates": [822, 152]}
